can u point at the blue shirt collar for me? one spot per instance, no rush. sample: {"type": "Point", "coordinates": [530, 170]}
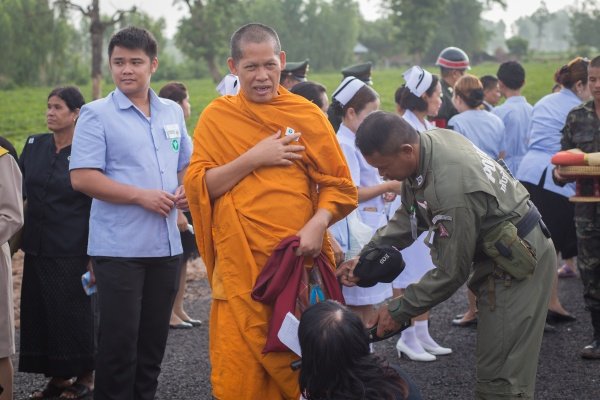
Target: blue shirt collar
{"type": "Point", "coordinates": [569, 92]}
{"type": "Point", "coordinates": [124, 103]}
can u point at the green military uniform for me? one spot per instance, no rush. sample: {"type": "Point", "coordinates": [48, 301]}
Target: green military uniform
{"type": "Point", "coordinates": [582, 131]}
{"type": "Point", "coordinates": [459, 194]}
{"type": "Point", "coordinates": [447, 109]}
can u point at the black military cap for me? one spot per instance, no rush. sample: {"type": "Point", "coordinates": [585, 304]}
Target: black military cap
{"type": "Point", "coordinates": [381, 264]}
{"type": "Point", "coordinates": [296, 69]}
{"type": "Point", "coordinates": [360, 71]}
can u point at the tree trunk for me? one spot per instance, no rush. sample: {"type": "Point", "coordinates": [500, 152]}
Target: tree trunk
{"type": "Point", "coordinates": [213, 69]}
{"type": "Point", "coordinates": [96, 31]}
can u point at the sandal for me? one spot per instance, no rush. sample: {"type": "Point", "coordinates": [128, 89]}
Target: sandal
{"type": "Point", "coordinates": [50, 391]}
{"type": "Point", "coordinates": [77, 391]}
{"type": "Point", "coordinates": [566, 272]}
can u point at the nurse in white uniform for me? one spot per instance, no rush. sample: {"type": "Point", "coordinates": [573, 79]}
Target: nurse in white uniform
{"type": "Point", "coordinates": [422, 99]}
{"type": "Point", "coordinates": [353, 100]}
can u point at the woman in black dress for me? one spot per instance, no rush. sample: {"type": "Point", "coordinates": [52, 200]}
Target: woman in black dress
{"type": "Point", "coordinates": [57, 325]}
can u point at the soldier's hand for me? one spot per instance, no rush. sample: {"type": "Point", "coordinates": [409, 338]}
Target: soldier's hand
{"type": "Point", "coordinates": [345, 272]}
{"type": "Point", "coordinates": [157, 201]}
{"type": "Point", "coordinates": [385, 322]}
{"type": "Point", "coordinates": [276, 150]}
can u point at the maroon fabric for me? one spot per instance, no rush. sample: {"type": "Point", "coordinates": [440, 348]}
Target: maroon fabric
{"type": "Point", "coordinates": [280, 282]}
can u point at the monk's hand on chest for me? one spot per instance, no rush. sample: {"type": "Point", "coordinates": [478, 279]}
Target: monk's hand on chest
{"type": "Point", "coordinates": [276, 150]}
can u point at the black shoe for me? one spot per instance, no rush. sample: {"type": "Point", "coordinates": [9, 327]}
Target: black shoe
{"type": "Point", "coordinates": [591, 351]}
{"type": "Point", "coordinates": [549, 328]}
{"type": "Point", "coordinates": [555, 318]}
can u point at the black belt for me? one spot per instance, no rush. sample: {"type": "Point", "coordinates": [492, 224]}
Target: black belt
{"type": "Point", "coordinates": [531, 218]}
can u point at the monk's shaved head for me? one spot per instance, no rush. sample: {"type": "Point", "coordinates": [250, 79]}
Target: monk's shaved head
{"type": "Point", "coordinates": [384, 133]}
{"type": "Point", "coordinates": [253, 33]}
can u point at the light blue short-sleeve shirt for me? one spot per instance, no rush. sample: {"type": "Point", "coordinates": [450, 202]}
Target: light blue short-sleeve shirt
{"type": "Point", "coordinates": [115, 137]}
{"type": "Point", "coordinates": [547, 120]}
{"type": "Point", "coordinates": [515, 112]}
{"type": "Point", "coordinates": [481, 127]}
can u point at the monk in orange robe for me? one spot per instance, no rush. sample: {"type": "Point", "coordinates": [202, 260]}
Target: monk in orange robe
{"type": "Point", "coordinates": [266, 165]}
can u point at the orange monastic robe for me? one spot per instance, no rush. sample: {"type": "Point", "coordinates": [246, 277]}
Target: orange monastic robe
{"type": "Point", "coordinates": [238, 231]}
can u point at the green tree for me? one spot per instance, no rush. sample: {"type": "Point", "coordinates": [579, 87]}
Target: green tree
{"type": "Point", "coordinates": [205, 33]}
{"type": "Point", "coordinates": [517, 46]}
{"type": "Point", "coordinates": [97, 26]}
{"type": "Point", "coordinates": [325, 31]}
{"type": "Point", "coordinates": [27, 30]}
{"type": "Point", "coordinates": [540, 18]}
{"type": "Point", "coordinates": [381, 37]}
{"type": "Point", "coordinates": [417, 22]}
{"type": "Point", "coordinates": [585, 25]}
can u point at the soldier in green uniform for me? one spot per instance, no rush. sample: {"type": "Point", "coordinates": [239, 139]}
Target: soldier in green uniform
{"type": "Point", "coordinates": [453, 63]}
{"type": "Point", "coordinates": [481, 228]}
{"type": "Point", "coordinates": [582, 131]}
{"type": "Point", "coordinates": [293, 73]}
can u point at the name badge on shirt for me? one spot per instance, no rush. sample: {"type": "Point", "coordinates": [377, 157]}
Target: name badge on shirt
{"type": "Point", "coordinates": [290, 131]}
{"type": "Point", "coordinates": [172, 131]}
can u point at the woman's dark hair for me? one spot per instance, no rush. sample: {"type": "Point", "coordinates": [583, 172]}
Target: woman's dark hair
{"type": "Point", "coordinates": [410, 101]}
{"type": "Point", "coordinates": [134, 38]}
{"type": "Point", "coordinates": [312, 91]}
{"type": "Point", "coordinates": [358, 102]}
{"type": "Point", "coordinates": [470, 90]}
{"type": "Point", "coordinates": [70, 95]}
{"type": "Point", "coordinates": [398, 94]}
{"type": "Point", "coordinates": [336, 362]}
{"type": "Point", "coordinates": [175, 91]}
{"type": "Point", "coordinates": [575, 71]}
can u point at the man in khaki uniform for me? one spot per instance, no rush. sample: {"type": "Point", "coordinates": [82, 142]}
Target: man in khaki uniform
{"type": "Point", "coordinates": [11, 219]}
{"type": "Point", "coordinates": [468, 203]}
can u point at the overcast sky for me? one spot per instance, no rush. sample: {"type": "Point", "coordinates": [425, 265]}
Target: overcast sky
{"type": "Point", "coordinates": [369, 8]}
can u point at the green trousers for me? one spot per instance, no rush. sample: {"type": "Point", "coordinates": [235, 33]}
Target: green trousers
{"type": "Point", "coordinates": [511, 322]}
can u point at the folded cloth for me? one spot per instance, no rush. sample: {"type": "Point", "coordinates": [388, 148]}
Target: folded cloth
{"type": "Point", "coordinates": [281, 281]}
{"type": "Point", "coordinates": [380, 264]}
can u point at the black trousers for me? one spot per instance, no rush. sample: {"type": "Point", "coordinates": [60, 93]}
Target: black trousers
{"type": "Point", "coordinates": [135, 298]}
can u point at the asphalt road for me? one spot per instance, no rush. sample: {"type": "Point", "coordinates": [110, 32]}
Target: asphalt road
{"type": "Point", "coordinates": [562, 374]}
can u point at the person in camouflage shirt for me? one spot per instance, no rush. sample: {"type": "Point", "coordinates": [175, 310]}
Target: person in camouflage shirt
{"type": "Point", "coordinates": [582, 131]}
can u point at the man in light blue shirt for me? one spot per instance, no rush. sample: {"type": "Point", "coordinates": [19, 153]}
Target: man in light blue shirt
{"type": "Point", "coordinates": [130, 152]}
{"type": "Point", "coordinates": [515, 113]}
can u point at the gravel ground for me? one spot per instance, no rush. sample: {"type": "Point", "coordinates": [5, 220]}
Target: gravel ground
{"type": "Point", "coordinates": [562, 374]}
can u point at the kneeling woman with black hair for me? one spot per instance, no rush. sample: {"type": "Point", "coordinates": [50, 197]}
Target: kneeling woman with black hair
{"type": "Point", "coordinates": [337, 364]}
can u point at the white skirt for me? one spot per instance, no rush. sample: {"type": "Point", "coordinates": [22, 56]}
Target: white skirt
{"type": "Point", "coordinates": [418, 261]}
{"type": "Point", "coordinates": [358, 296]}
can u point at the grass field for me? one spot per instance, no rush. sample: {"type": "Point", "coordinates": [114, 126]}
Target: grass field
{"type": "Point", "coordinates": [22, 111]}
